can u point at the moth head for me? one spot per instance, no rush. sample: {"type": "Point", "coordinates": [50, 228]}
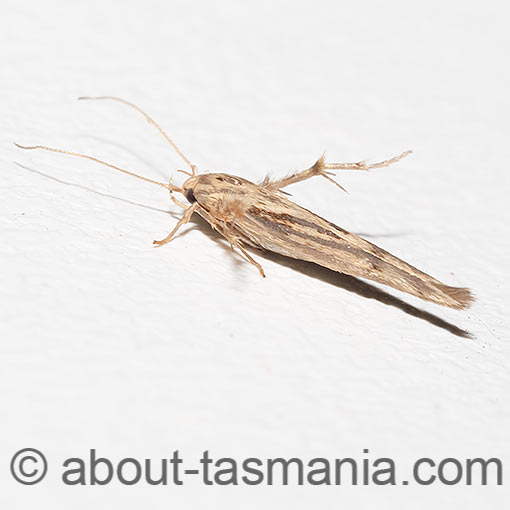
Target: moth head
{"type": "Point", "coordinates": [208, 186]}
{"type": "Point", "coordinates": [187, 189]}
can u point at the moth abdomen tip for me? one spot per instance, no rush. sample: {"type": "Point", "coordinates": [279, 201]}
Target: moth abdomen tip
{"type": "Point", "coordinates": [462, 296]}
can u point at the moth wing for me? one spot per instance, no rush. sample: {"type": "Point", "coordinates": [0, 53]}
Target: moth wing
{"type": "Point", "coordinates": [274, 223]}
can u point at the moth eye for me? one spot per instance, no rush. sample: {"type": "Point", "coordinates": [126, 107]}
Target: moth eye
{"type": "Point", "coordinates": [190, 197]}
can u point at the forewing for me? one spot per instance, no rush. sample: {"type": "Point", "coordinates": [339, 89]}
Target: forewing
{"type": "Point", "coordinates": [276, 224]}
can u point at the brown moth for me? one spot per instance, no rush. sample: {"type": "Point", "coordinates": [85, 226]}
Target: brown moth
{"type": "Point", "coordinates": [261, 216]}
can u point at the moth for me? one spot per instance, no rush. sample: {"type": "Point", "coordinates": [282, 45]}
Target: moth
{"type": "Point", "coordinates": [262, 216]}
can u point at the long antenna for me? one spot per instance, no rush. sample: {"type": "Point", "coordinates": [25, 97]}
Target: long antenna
{"type": "Point", "coordinates": [169, 187]}
{"type": "Point", "coordinates": [150, 120]}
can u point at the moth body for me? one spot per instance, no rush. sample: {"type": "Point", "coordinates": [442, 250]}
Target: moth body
{"type": "Point", "coordinates": [261, 216]}
{"type": "Point", "coordinates": [264, 218]}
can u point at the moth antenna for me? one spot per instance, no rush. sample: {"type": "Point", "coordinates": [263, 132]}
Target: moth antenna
{"type": "Point", "coordinates": [169, 187]}
{"type": "Point", "coordinates": [150, 120]}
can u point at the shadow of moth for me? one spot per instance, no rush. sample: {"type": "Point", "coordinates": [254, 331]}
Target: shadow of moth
{"type": "Point", "coordinates": [261, 216]}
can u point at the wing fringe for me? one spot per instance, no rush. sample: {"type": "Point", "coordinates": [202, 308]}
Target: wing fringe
{"type": "Point", "coordinates": [462, 297]}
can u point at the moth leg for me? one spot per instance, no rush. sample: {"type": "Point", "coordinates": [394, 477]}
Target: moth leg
{"type": "Point", "coordinates": [228, 211]}
{"type": "Point", "coordinates": [178, 202]}
{"type": "Point", "coordinates": [234, 241]}
{"type": "Point", "coordinates": [184, 219]}
{"type": "Point", "coordinates": [362, 165]}
{"type": "Point", "coordinates": [249, 258]}
{"type": "Point", "coordinates": [320, 167]}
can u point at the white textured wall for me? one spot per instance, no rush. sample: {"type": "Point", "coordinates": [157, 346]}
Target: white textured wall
{"type": "Point", "coordinates": [111, 344]}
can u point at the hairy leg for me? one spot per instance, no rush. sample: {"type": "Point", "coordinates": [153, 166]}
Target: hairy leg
{"type": "Point", "coordinates": [249, 258]}
{"type": "Point", "coordinates": [227, 232]}
{"type": "Point", "coordinates": [321, 167]}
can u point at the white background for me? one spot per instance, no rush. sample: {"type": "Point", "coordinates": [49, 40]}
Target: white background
{"type": "Point", "coordinates": [109, 343]}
